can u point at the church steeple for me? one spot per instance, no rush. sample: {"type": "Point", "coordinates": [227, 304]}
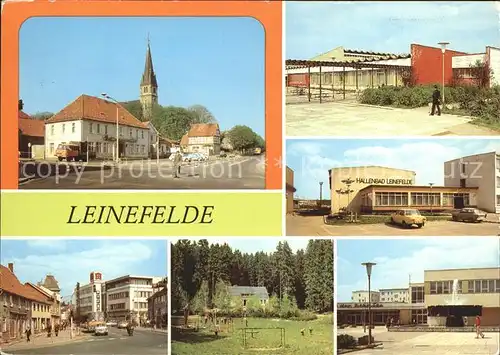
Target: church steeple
{"type": "Point", "coordinates": [149, 86]}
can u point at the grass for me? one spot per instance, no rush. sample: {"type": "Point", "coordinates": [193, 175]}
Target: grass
{"type": "Point", "coordinates": [266, 341]}
{"type": "Point", "coordinates": [379, 219]}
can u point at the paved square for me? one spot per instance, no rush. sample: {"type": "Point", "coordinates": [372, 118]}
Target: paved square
{"type": "Point", "coordinates": [353, 119]}
{"type": "Point", "coordinates": [409, 343]}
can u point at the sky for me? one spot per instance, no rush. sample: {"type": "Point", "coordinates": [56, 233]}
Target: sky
{"type": "Point", "coordinates": [214, 62]}
{"type": "Point", "coordinates": [266, 244]}
{"type": "Point", "coordinates": [311, 159]}
{"type": "Point", "coordinates": [313, 27]}
{"type": "Point", "coordinates": [398, 259]}
{"type": "Point", "coordinates": [72, 261]}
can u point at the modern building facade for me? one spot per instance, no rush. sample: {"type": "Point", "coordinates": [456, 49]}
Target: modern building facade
{"type": "Point", "coordinates": [394, 295]}
{"type": "Point", "coordinates": [290, 190]}
{"type": "Point", "coordinates": [358, 69]}
{"type": "Point", "coordinates": [127, 297]}
{"type": "Point", "coordinates": [480, 171]}
{"type": "Point", "coordinates": [442, 293]}
{"type": "Point", "coordinates": [89, 298]}
{"type": "Point", "coordinates": [376, 189]}
{"type": "Point", "coordinates": [362, 296]}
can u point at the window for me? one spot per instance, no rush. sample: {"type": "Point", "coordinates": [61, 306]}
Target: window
{"type": "Point", "coordinates": [98, 128]}
{"type": "Point", "coordinates": [463, 168]}
{"type": "Point", "coordinates": [105, 129]}
{"type": "Point", "coordinates": [498, 200]}
{"type": "Point", "coordinates": [463, 183]}
{"type": "Point", "coordinates": [142, 134]}
{"type": "Point", "coordinates": [73, 127]}
{"type": "Point", "coordinates": [433, 288]}
{"type": "Point", "coordinates": [391, 199]}
{"type": "Point", "coordinates": [498, 181]}
{"type": "Point", "coordinates": [130, 132]}
{"type": "Point", "coordinates": [51, 146]}
{"type": "Point", "coordinates": [91, 128]}
{"type": "Point", "coordinates": [63, 128]}
{"type": "Point", "coordinates": [52, 130]}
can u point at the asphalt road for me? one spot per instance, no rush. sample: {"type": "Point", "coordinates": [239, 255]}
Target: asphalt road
{"type": "Point", "coordinates": [117, 343]}
{"type": "Point", "coordinates": [311, 226]}
{"type": "Point", "coordinates": [244, 173]}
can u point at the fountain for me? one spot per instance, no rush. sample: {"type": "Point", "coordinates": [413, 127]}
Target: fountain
{"type": "Point", "coordinates": [455, 298]}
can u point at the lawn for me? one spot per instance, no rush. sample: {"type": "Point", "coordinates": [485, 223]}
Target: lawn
{"type": "Point", "coordinates": [265, 341]}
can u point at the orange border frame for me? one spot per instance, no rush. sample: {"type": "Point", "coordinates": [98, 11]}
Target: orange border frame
{"type": "Point", "coordinates": [14, 14]}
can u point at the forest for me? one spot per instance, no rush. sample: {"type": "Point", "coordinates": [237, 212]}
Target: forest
{"type": "Point", "coordinates": [297, 283]}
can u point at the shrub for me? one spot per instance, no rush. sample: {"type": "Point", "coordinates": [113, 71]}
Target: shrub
{"type": "Point", "coordinates": [304, 316]}
{"type": "Point", "coordinates": [345, 341]}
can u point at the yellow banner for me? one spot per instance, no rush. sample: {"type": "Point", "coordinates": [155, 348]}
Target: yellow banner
{"type": "Point", "coordinates": [141, 213]}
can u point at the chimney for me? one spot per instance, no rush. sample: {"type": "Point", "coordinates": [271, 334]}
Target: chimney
{"type": "Point", "coordinates": [11, 267]}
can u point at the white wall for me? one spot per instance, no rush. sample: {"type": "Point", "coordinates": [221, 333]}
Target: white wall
{"type": "Point", "coordinates": [494, 62]}
{"type": "Point", "coordinates": [54, 135]}
{"type": "Point", "coordinates": [465, 61]}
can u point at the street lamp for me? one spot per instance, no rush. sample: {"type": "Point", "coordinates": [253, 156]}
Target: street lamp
{"type": "Point", "coordinates": [348, 182]}
{"type": "Point", "coordinates": [431, 197]}
{"type": "Point", "coordinates": [106, 96]}
{"type": "Point", "coordinates": [320, 194]}
{"type": "Point", "coordinates": [369, 266]}
{"type": "Point", "coordinates": [443, 50]}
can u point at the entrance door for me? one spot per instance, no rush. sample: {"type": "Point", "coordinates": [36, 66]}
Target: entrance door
{"type": "Point", "coordinates": [458, 202]}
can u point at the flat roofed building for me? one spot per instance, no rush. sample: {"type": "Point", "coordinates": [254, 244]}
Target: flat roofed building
{"type": "Point", "coordinates": [480, 171]}
{"type": "Point", "coordinates": [474, 287]}
{"type": "Point", "coordinates": [361, 296]}
{"type": "Point", "coordinates": [290, 190]}
{"type": "Point", "coordinates": [361, 177]}
{"type": "Point", "coordinates": [394, 295]}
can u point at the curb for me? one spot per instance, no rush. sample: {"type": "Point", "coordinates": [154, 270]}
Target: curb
{"type": "Point", "coordinates": [47, 345]}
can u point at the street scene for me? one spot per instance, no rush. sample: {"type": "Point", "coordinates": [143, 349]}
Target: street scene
{"type": "Point", "coordinates": [412, 187]}
{"type": "Point", "coordinates": [67, 296]}
{"type": "Point", "coordinates": [392, 69]}
{"type": "Point", "coordinates": [249, 296]}
{"type": "Point", "coordinates": [130, 124]}
{"type": "Point", "coordinates": [418, 296]}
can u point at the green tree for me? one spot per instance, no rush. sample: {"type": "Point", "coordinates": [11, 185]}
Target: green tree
{"type": "Point", "coordinates": [202, 114]}
{"type": "Point", "coordinates": [200, 300]}
{"type": "Point", "coordinates": [318, 275]}
{"type": "Point", "coordinates": [222, 297]}
{"type": "Point", "coordinates": [242, 137]}
{"type": "Point", "coordinates": [135, 108]}
{"type": "Point", "coordinates": [173, 122]}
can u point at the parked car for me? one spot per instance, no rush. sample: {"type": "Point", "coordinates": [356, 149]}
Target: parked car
{"type": "Point", "coordinates": [101, 329]}
{"type": "Point", "coordinates": [198, 157]}
{"type": "Point", "coordinates": [122, 325]}
{"type": "Point", "coordinates": [408, 217]}
{"type": "Point", "coordinates": [111, 323]}
{"type": "Point", "coordinates": [469, 215]}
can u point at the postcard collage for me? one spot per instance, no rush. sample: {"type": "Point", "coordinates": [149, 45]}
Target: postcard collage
{"type": "Point", "coordinates": [250, 177]}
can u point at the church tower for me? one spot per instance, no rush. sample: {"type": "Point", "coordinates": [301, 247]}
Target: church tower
{"type": "Point", "coordinates": [149, 87]}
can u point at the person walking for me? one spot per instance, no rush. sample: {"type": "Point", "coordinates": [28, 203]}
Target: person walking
{"type": "Point", "coordinates": [436, 101]}
{"type": "Point", "coordinates": [28, 334]}
{"type": "Point", "coordinates": [56, 329]}
{"type": "Point", "coordinates": [177, 165]}
{"type": "Point", "coordinates": [479, 333]}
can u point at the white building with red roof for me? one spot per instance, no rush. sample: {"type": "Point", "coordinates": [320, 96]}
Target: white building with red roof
{"type": "Point", "coordinates": [202, 138]}
{"type": "Point", "coordinates": [94, 120]}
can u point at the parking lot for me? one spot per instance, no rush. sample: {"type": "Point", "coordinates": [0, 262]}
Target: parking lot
{"type": "Point", "coordinates": [312, 226]}
{"type": "Point", "coordinates": [239, 173]}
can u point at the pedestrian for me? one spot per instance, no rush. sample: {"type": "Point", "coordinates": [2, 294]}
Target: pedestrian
{"type": "Point", "coordinates": [49, 331]}
{"type": "Point", "coordinates": [177, 165]}
{"type": "Point", "coordinates": [436, 101]}
{"type": "Point", "coordinates": [388, 323]}
{"type": "Point", "coordinates": [56, 329]}
{"type": "Point", "coordinates": [478, 328]}
{"type": "Point", "coordinates": [28, 334]}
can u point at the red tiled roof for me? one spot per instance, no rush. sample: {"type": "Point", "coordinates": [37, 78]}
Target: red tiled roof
{"type": "Point", "coordinates": [31, 127]}
{"type": "Point", "coordinates": [11, 284]}
{"type": "Point", "coordinates": [93, 108]}
{"type": "Point", "coordinates": [34, 293]}
{"type": "Point", "coordinates": [204, 130]}
{"type": "Point", "coordinates": [22, 114]}
{"type": "Point", "coordinates": [185, 140]}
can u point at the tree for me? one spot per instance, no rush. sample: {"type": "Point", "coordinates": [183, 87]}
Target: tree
{"type": "Point", "coordinates": [135, 108]}
{"type": "Point", "coordinates": [481, 74]}
{"type": "Point", "coordinates": [242, 137]}
{"type": "Point", "coordinates": [200, 300]}
{"type": "Point", "coordinates": [42, 116]}
{"type": "Point", "coordinates": [202, 114]}
{"type": "Point", "coordinates": [173, 122]}
{"type": "Point", "coordinates": [222, 297]}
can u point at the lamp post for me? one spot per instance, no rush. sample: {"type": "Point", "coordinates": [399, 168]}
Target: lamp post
{"type": "Point", "coordinates": [320, 194]}
{"type": "Point", "coordinates": [106, 96]}
{"type": "Point", "coordinates": [431, 197]}
{"type": "Point", "coordinates": [348, 182]}
{"type": "Point", "coordinates": [369, 266]}
{"type": "Point", "coordinates": [443, 51]}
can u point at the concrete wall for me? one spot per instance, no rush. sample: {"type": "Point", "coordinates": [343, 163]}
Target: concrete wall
{"type": "Point", "coordinates": [480, 171]}
{"type": "Point", "coordinates": [493, 57]}
{"type": "Point", "coordinates": [466, 61]}
{"type": "Point", "coordinates": [427, 64]}
{"type": "Point", "coordinates": [353, 201]}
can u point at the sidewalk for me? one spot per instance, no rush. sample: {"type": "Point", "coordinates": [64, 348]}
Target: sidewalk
{"type": "Point", "coordinates": [152, 330]}
{"type": "Point", "coordinates": [41, 340]}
